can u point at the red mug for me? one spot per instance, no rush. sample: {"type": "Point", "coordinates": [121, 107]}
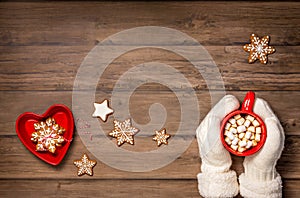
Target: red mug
{"type": "Point", "coordinates": [246, 109]}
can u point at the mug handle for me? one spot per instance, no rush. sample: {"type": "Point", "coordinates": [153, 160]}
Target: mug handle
{"type": "Point", "coordinates": [248, 102]}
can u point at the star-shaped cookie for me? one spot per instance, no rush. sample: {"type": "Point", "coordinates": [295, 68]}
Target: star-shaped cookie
{"type": "Point", "coordinates": [85, 165]}
{"type": "Point", "coordinates": [102, 110]}
{"type": "Point", "coordinates": [259, 49]}
{"type": "Point", "coordinates": [124, 132]}
{"type": "Point", "coordinates": [161, 137]}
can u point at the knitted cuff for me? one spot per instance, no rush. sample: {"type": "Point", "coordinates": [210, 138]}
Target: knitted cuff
{"type": "Point", "coordinates": [260, 189]}
{"type": "Point", "coordinates": [218, 184]}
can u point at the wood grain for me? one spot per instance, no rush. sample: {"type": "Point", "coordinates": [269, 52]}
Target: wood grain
{"type": "Point", "coordinates": [42, 45]}
{"type": "Point", "coordinates": [55, 68]}
{"type": "Point", "coordinates": [18, 163]}
{"type": "Point", "coordinates": [113, 188]}
{"type": "Point", "coordinates": [18, 102]}
{"type": "Point", "coordinates": [86, 24]}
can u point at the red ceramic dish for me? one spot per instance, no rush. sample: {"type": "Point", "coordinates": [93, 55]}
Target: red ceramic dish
{"type": "Point", "coordinates": [246, 109]}
{"type": "Point", "coordinates": [25, 127]}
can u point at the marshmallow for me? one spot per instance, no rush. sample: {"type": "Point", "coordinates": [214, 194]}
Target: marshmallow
{"type": "Point", "coordinates": [234, 147]}
{"type": "Point", "coordinates": [241, 135]}
{"type": "Point", "coordinates": [254, 143]}
{"type": "Point", "coordinates": [234, 125]}
{"type": "Point", "coordinates": [240, 121]}
{"type": "Point", "coordinates": [249, 144]}
{"type": "Point", "coordinates": [226, 133]}
{"type": "Point", "coordinates": [230, 135]}
{"type": "Point", "coordinates": [241, 129]}
{"type": "Point", "coordinates": [258, 130]}
{"type": "Point", "coordinates": [255, 123]}
{"type": "Point", "coordinates": [233, 130]}
{"type": "Point", "coordinates": [242, 143]}
{"type": "Point", "coordinates": [257, 137]}
{"type": "Point", "coordinates": [247, 123]}
{"type": "Point", "coordinates": [238, 116]}
{"type": "Point", "coordinates": [251, 129]}
{"type": "Point", "coordinates": [227, 126]}
{"type": "Point", "coordinates": [241, 149]}
{"type": "Point", "coordinates": [248, 135]}
{"type": "Point", "coordinates": [232, 121]}
{"type": "Point", "coordinates": [242, 132]}
{"type": "Point", "coordinates": [227, 140]}
{"type": "Point", "coordinates": [235, 141]}
{"type": "Point", "coordinates": [249, 117]}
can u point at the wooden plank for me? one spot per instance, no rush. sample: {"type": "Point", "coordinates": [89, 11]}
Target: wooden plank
{"type": "Point", "coordinates": [55, 68]}
{"type": "Point", "coordinates": [17, 162]}
{"type": "Point", "coordinates": [284, 103]}
{"type": "Point", "coordinates": [113, 188]}
{"type": "Point", "coordinates": [80, 23]}
{"type": "Point", "coordinates": [43, 44]}
{"type": "Point", "coordinates": [99, 188]}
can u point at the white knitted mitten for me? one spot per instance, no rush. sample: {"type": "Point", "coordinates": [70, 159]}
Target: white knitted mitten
{"type": "Point", "coordinates": [260, 179]}
{"type": "Point", "coordinates": [216, 179]}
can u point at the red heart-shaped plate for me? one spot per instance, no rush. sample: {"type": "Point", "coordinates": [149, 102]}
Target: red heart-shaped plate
{"type": "Point", "coordinates": [63, 117]}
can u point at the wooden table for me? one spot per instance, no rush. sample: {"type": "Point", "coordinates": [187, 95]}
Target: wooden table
{"type": "Point", "coordinates": [42, 45]}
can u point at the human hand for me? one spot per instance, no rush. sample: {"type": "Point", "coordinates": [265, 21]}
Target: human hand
{"type": "Point", "coordinates": [216, 179]}
{"type": "Point", "coordinates": [260, 178]}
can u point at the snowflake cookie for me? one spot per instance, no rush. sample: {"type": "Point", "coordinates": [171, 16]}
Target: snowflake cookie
{"type": "Point", "coordinates": [47, 135]}
{"type": "Point", "coordinates": [259, 49]}
{"type": "Point", "coordinates": [124, 132]}
{"type": "Point", "coordinates": [161, 137]}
